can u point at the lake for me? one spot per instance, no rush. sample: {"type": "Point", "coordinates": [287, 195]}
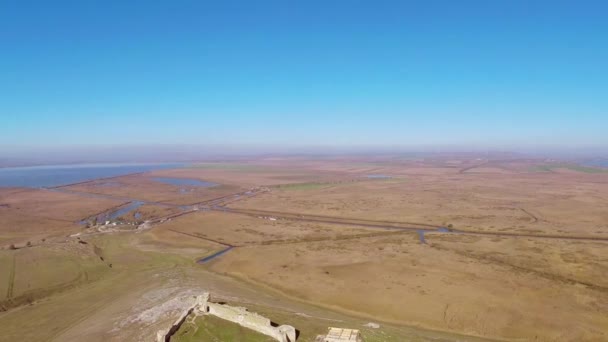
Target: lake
{"type": "Point", "coordinates": [377, 176]}
{"type": "Point", "coordinates": [597, 163]}
{"type": "Point", "coordinates": [184, 182]}
{"type": "Point", "coordinates": [55, 175]}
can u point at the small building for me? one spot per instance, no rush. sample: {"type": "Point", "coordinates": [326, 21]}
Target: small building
{"type": "Point", "coordinates": [342, 335]}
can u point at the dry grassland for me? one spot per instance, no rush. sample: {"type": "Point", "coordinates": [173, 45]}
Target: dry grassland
{"type": "Point", "coordinates": [36, 272]}
{"type": "Point", "coordinates": [250, 175]}
{"type": "Point", "coordinates": [522, 203]}
{"type": "Point", "coordinates": [309, 271]}
{"type": "Point", "coordinates": [400, 280]}
{"type": "Point", "coordinates": [147, 288]}
{"type": "Point", "coordinates": [242, 230]}
{"type": "Point", "coordinates": [33, 215]}
{"type": "Point", "coordinates": [47, 204]}
{"type": "Point", "coordinates": [144, 187]}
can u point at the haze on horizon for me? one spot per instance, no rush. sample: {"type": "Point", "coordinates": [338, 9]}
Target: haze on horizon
{"type": "Point", "coordinates": [276, 76]}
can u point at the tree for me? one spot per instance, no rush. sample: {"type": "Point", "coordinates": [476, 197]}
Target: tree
{"type": "Point", "coordinates": [29, 244]}
{"type": "Point", "coordinates": [12, 246]}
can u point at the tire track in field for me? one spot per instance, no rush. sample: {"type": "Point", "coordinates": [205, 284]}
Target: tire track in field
{"type": "Point", "coordinates": [11, 278]}
{"type": "Point", "coordinates": [532, 216]}
{"type": "Point", "coordinates": [529, 270]}
{"type": "Point", "coordinates": [401, 225]}
{"type": "Point", "coordinates": [330, 219]}
{"type": "Point", "coordinates": [464, 170]}
{"type": "Point", "coordinates": [204, 238]}
{"type": "Point", "coordinates": [323, 239]}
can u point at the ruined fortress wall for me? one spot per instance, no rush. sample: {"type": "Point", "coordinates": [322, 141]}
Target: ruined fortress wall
{"type": "Point", "coordinates": [251, 320]}
{"type": "Point", "coordinates": [165, 335]}
{"type": "Point", "coordinates": [239, 315]}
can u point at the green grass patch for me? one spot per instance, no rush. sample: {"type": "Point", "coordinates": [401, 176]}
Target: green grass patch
{"type": "Point", "coordinates": [318, 185]}
{"type": "Point", "coordinates": [573, 167]}
{"type": "Point", "coordinates": [226, 166]}
{"type": "Point", "coordinates": [211, 328]}
{"type": "Point", "coordinates": [304, 186]}
{"type": "Point", "coordinates": [587, 169]}
{"type": "Point", "coordinates": [310, 326]}
{"type": "Point", "coordinates": [540, 168]}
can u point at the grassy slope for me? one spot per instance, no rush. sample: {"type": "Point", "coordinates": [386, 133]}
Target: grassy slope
{"type": "Point", "coordinates": [6, 274]}
{"type": "Point", "coordinates": [134, 273]}
{"type": "Point", "coordinates": [59, 307]}
{"type": "Point", "coordinates": [215, 329]}
{"type": "Point", "coordinates": [210, 328]}
{"type": "Point", "coordinates": [304, 186]}
{"type": "Point", "coordinates": [37, 272]}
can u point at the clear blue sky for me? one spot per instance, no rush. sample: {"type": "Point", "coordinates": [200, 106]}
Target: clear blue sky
{"type": "Point", "coordinates": [409, 73]}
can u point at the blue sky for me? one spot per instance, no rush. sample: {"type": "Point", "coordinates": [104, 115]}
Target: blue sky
{"type": "Point", "coordinates": [497, 74]}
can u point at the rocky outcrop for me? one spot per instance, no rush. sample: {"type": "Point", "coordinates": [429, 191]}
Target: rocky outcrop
{"type": "Point", "coordinates": [235, 314]}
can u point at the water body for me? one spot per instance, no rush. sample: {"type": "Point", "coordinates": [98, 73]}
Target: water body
{"type": "Point", "coordinates": [184, 182]}
{"type": "Point", "coordinates": [124, 210]}
{"type": "Point", "coordinates": [113, 215]}
{"type": "Point", "coordinates": [378, 176]}
{"type": "Point", "coordinates": [213, 256]}
{"type": "Point", "coordinates": [422, 231]}
{"type": "Point", "coordinates": [108, 184]}
{"type": "Point", "coordinates": [597, 163]}
{"type": "Point", "coordinates": [56, 175]}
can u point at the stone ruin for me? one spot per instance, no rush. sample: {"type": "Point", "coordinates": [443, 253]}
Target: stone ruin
{"type": "Point", "coordinates": [340, 335]}
{"type": "Point", "coordinates": [202, 306]}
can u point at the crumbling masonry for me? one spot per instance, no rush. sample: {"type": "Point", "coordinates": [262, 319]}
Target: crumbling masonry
{"type": "Point", "coordinates": [239, 315]}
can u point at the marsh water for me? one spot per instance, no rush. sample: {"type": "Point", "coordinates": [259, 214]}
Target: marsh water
{"type": "Point", "coordinates": [51, 176]}
{"type": "Point", "coordinates": [377, 176]}
{"type": "Point", "coordinates": [184, 182]}
{"type": "Point", "coordinates": [56, 175]}
{"type": "Point", "coordinates": [597, 163]}
{"type": "Point", "coordinates": [214, 255]}
{"type": "Point", "coordinates": [113, 215]}
{"type": "Point", "coordinates": [125, 210]}
{"type": "Point", "coordinates": [421, 232]}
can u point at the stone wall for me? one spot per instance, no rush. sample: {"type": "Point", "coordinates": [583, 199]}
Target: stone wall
{"type": "Point", "coordinates": [239, 315]}
{"type": "Point", "coordinates": [165, 335]}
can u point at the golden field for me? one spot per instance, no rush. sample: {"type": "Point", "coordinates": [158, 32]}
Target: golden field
{"type": "Point", "coordinates": [319, 243]}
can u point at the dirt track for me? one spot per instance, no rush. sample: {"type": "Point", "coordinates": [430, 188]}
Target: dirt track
{"type": "Point", "coordinates": [219, 204]}
{"type": "Point", "coordinates": [11, 279]}
{"type": "Point", "coordinates": [397, 225]}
